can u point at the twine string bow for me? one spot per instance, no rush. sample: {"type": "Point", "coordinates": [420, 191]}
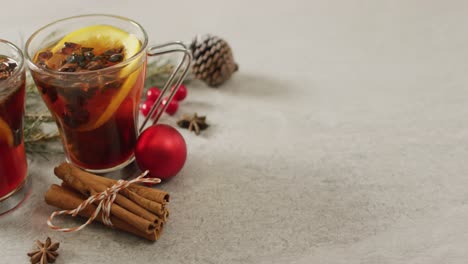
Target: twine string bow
{"type": "Point", "coordinates": [105, 199]}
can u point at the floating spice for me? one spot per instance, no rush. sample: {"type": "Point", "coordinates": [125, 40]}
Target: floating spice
{"type": "Point", "coordinates": [7, 66]}
{"type": "Point", "coordinates": [72, 57]}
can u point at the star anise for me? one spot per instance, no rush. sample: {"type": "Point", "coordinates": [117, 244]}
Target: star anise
{"type": "Point", "coordinates": [45, 253]}
{"type": "Point", "coordinates": [193, 123]}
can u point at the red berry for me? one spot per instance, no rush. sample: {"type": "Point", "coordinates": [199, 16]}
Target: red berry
{"type": "Point", "coordinates": [172, 107]}
{"type": "Point", "coordinates": [153, 94]}
{"type": "Point", "coordinates": [145, 107]}
{"type": "Point", "coordinates": [181, 92]}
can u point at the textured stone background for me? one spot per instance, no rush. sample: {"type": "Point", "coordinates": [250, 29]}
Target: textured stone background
{"type": "Point", "coordinates": [342, 139]}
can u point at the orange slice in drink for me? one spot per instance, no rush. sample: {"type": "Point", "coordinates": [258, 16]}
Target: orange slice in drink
{"type": "Point", "coordinates": [6, 136]}
{"type": "Point", "coordinates": [102, 38]}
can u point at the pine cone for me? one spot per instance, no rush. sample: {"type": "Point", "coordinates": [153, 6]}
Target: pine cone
{"type": "Point", "coordinates": [213, 62]}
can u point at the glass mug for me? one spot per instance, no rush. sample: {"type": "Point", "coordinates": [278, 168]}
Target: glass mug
{"type": "Point", "coordinates": [96, 111]}
{"type": "Point", "coordinates": [13, 164]}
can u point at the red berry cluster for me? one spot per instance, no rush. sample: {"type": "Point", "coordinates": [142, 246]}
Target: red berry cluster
{"type": "Point", "coordinates": [152, 95]}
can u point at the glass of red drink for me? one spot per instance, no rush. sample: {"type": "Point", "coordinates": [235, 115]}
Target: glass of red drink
{"type": "Point", "coordinates": [13, 164]}
{"type": "Point", "coordinates": [92, 86]}
{"type": "Point", "coordinates": [90, 71]}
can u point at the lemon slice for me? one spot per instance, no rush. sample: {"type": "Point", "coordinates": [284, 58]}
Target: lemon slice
{"type": "Point", "coordinates": [5, 133]}
{"type": "Point", "coordinates": [102, 38]}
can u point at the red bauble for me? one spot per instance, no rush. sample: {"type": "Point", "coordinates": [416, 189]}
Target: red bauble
{"type": "Point", "coordinates": [172, 107]}
{"type": "Point", "coordinates": [161, 149]}
{"type": "Point", "coordinates": [181, 92]}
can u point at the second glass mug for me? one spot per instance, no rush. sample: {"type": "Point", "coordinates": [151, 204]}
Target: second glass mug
{"type": "Point", "coordinates": [97, 111]}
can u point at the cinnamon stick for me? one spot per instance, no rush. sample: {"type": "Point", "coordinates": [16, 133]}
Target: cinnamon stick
{"type": "Point", "coordinates": [151, 194]}
{"type": "Point", "coordinates": [140, 194]}
{"type": "Point", "coordinates": [67, 200]}
{"type": "Point", "coordinates": [140, 223]}
{"type": "Point", "coordinates": [154, 207]}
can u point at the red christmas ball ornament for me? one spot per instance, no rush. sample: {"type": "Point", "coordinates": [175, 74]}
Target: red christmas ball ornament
{"type": "Point", "coordinates": [181, 92]}
{"type": "Point", "coordinates": [161, 149]}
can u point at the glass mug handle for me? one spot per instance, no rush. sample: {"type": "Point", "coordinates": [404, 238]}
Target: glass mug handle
{"type": "Point", "coordinates": [170, 47]}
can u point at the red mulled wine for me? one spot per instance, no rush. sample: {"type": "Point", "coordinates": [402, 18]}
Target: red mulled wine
{"type": "Point", "coordinates": [96, 105]}
{"type": "Point", "coordinates": [13, 165]}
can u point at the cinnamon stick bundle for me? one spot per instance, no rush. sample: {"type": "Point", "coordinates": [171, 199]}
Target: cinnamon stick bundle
{"type": "Point", "coordinates": [138, 210]}
{"type": "Point", "coordinates": [67, 199]}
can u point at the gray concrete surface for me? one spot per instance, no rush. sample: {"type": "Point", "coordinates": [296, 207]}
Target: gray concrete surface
{"type": "Point", "coordinates": [342, 139]}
